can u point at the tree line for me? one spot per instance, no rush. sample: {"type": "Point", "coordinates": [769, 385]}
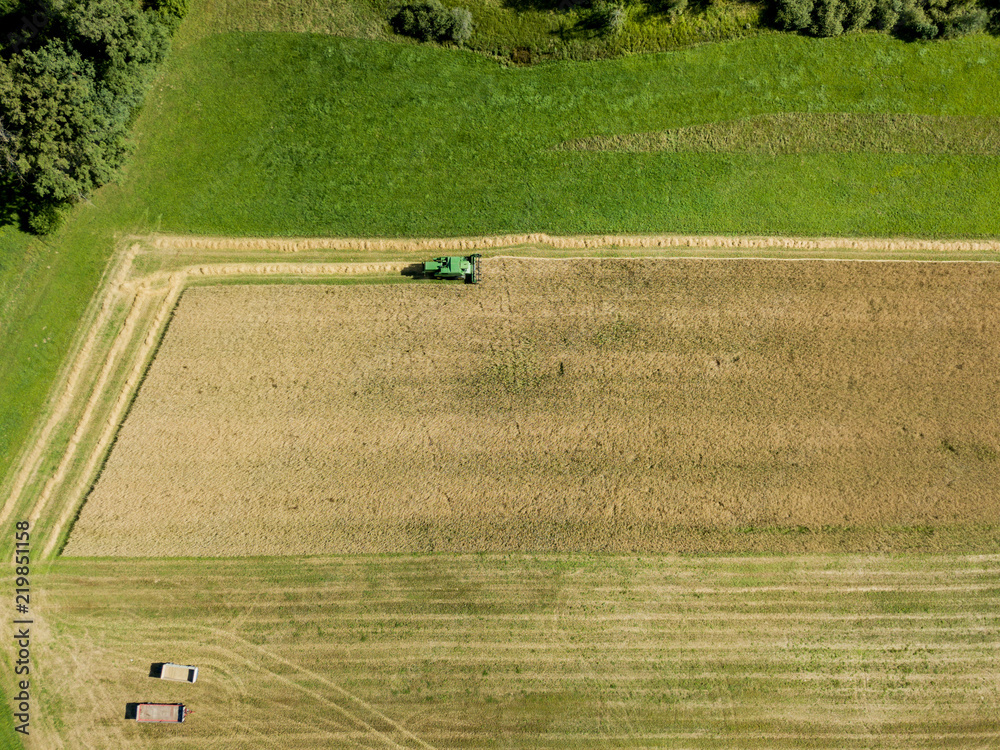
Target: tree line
{"type": "Point", "coordinates": [908, 19]}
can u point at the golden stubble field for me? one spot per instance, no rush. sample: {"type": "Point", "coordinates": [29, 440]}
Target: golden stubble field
{"type": "Point", "coordinates": [561, 405]}
{"type": "Point", "coordinates": [575, 652]}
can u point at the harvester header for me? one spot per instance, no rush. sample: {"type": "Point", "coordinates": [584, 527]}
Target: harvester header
{"type": "Point", "coordinates": [454, 267]}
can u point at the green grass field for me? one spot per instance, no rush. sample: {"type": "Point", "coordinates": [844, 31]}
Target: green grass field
{"type": "Point", "coordinates": [45, 284]}
{"type": "Point", "coordinates": [336, 136]}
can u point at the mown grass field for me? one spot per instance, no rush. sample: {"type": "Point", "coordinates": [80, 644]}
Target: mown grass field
{"type": "Point", "coordinates": [525, 651]}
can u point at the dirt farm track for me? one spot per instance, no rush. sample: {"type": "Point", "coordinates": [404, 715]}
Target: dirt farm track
{"type": "Point", "coordinates": [574, 404]}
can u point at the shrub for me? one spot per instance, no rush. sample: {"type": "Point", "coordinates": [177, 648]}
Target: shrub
{"type": "Point", "coordinates": [462, 28]}
{"type": "Point", "coordinates": [600, 17]}
{"type": "Point", "coordinates": [964, 22]}
{"type": "Point", "coordinates": [44, 219]}
{"type": "Point", "coordinates": [427, 21]}
{"type": "Point", "coordinates": [909, 19]}
{"type": "Point", "coordinates": [793, 15]}
{"type": "Point", "coordinates": [430, 21]}
{"type": "Point", "coordinates": [915, 24]}
{"type": "Point", "coordinates": [885, 14]}
{"type": "Point", "coordinates": [674, 7]}
{"type": "Point", "coordinates": [171, 12]}
{"type": "Point", "coordinates": [617, 18]}
{"type": "Point", "coordinates": [828, 18]}
{"type": "Point", "coordinates": [859, 14]}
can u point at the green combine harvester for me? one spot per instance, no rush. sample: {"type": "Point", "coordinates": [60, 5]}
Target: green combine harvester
{"type": "Point", "coordinates": [454, 267]}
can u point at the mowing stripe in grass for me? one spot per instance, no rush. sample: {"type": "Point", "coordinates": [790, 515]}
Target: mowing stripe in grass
{"type": "Point", "coordinates": [814, 133]}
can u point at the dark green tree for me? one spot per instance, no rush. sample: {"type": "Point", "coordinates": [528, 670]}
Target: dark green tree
{"type": "Point", "coordinates": [859, 14]}
{"type": "Point", "coordinates": [885, 14]}
{"type": "Point", "coordinates": [59, 142]}
{"type": "Point", "coordinates": [71, 79]}
{"type": "Point", "coordinates": [914, 23]}
{"type": "Point", "coordinates": [964, 21]}
{"type": "Point", "coordinates": [955, 18]}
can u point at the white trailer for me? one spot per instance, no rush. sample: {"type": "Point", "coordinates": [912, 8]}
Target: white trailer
{"type": "Point", "coordinates": [178, 672]}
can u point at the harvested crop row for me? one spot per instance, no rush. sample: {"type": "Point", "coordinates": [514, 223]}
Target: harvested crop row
{"type": "Point", "coordinates": [589, 405]}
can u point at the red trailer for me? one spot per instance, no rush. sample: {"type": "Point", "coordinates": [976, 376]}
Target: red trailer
{"type": "Point", "coordinates": [163, 713]}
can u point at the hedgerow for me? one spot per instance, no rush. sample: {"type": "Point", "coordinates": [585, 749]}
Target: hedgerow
{"type": "Point", "coordinates": [908, 19]}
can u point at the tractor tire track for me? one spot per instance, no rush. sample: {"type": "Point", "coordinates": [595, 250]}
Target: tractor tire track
{"type": "Point", "coordinates": [356, 715]}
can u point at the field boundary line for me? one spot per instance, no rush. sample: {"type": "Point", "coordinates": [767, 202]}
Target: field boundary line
{"type": "Point", "coordinates": [757, 258]}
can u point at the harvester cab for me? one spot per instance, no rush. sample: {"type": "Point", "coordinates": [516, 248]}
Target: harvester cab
{"type": "Point", "coordinates": [454, 267]}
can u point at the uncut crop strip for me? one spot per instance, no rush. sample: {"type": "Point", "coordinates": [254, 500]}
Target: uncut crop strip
{"type": "Point", "coordinates": [564, 651]}
{"type": "Point", "coordinates": [814, 133]}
